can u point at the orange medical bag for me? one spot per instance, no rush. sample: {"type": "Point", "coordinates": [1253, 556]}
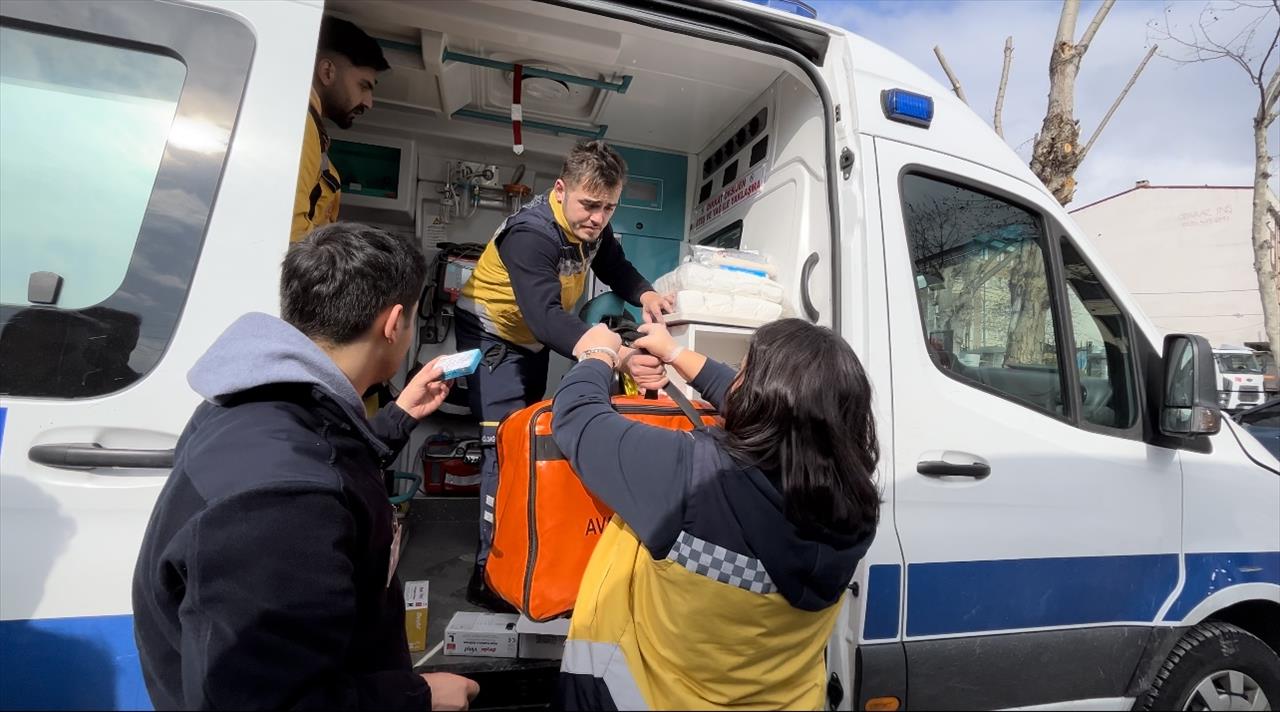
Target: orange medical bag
{"type": "Point", "coordinates": [546, 524]}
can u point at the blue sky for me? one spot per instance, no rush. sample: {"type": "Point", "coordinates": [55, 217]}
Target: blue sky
{"type": "Point", "coordinates": [1186, 124]}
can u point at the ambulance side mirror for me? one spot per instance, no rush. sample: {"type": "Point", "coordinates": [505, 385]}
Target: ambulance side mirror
{"type": "Point", "coordinates": [1189, 403]}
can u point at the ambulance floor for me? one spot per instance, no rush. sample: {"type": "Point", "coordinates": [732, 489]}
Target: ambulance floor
{"type": "Point", "coordinates": [441, 549]}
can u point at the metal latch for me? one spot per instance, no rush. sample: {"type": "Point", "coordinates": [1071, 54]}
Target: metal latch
{"type": "Point", "coordinates": [846, 163]}
{"type": "Point", "coordinates": [835, 691]}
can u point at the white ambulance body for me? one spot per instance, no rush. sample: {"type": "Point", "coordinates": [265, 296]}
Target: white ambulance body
{"type": "Point", "coordinates": [1067, 521]}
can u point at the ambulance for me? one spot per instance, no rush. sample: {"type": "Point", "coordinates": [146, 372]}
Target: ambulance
{"type": "Point", "coordinates": [1068, 520]}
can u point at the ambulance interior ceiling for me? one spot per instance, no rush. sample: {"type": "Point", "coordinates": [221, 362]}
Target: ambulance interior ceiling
{"type": "Point", "coordinates": [682, 91]}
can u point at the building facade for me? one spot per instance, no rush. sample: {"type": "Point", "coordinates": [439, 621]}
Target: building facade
{"type": "Point", "coordinates": [1186, 254]}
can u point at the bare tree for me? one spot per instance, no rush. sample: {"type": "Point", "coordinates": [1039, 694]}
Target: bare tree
{"type": "Point", "coordinates": [1056, 156]}
{"type": "Point", "coordinates": [1056, 153]}
{"type": "Point", "coordinates": [1251, 45]}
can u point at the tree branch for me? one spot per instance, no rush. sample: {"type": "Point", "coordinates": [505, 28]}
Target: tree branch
{"type": "Point", "coordinates": [1272, 90]}
{"type": "Point", "coordinates": [1275, 5]}
{"type": "Point", "coordinates": [1092, 30]}
{"type": "Point", "coordinates": [1067, 22]}
{"type": "Point", "coordinates": [1271, 99]}
{"type": "Point", "coordinates": [955, 83]}
{"type": "Point", "coordinates": [1116, 104]}
{"type": "Point", "coordinates": [1004, 82]}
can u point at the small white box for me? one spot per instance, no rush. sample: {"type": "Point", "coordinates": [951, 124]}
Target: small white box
{"type": "Point", "coordinates": [542, 641]}
{"type": "Point", "coordinates": [490, 635]}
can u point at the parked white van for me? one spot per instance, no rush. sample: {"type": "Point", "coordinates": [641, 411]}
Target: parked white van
{"type": "Point", "coordinates": [1067, 519]}
{"type": "Point", "coordinates": [1239, 374]}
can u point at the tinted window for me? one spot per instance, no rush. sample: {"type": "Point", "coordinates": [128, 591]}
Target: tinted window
{"type": "Point", "coordinates": [1103, 346]}
{"type": "Point", "coordinates": [1240, 364]}
{"type": "Point", "coordinates": [982, 291]}
{"type": "Point", "coordinates": [84, 125]}
{"type": "Point", "coordinates": [115, 120]}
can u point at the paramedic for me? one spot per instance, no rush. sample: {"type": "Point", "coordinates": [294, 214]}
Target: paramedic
{"type": "Point", "coordinates": [346, 70]}
{"type": "Point", "coordinates": [719, 581]}
{"type": "Point", "coordinates": [517, 303]}
{"type": "Point", "coordinates": [266, 577]}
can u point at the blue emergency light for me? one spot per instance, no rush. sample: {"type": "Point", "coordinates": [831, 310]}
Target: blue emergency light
{"type": "Point", "coordinates": [907, 107]}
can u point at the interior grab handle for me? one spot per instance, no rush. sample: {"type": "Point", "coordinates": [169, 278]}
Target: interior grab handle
{"type": "Point", "coordinates": [81, 456]}
{"type": "Point", "coordinates": [805, 301]}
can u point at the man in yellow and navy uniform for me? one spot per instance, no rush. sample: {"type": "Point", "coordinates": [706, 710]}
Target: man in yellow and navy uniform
{"type": "Point", "coordinates": [519, 301]}
{"type": "Point", "coordinates": [347, 66]}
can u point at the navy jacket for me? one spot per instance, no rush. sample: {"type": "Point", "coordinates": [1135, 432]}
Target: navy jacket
{"type": "Point", "coordinates": [263, 578]}
{"type": "Point", "coordinates": [701, 593]}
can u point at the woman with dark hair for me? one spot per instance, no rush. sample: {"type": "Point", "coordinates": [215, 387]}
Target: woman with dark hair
{"type": "Point", "coordinates": [718, 581]}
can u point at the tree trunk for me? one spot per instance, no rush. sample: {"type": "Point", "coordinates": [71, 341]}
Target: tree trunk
{"type": "Point", "coordinates": [1055, 156]}
{"type": "Point", "coordinates": [1029, 306]}
{"type": "Point", "coordinates": [1054, 159]}
{"type": "Point", "coordinates": [1264, 246]}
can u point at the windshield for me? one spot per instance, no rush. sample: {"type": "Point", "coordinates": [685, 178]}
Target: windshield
{"type": "Point", "coordinates": [1238, 363]}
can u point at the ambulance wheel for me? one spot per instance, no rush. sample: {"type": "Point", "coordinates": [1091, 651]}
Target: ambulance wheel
{"type": "Point", "coordinates": [1216, 666]}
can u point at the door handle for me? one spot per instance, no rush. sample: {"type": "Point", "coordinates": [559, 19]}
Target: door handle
{"type": "Point", "coordinates": [949, 463]}
{"type": "Point", "coordinates": [809, 309]}
{"type": "Point", "coordinates": [81, 456]}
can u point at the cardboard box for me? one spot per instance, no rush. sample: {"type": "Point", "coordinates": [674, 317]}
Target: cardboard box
{"type": "Point", "coordinates": [542, 641]}
{"type": "Point", "coordinates": [415, 614]}
{"type": "Point", "coordinates": [489, 635]}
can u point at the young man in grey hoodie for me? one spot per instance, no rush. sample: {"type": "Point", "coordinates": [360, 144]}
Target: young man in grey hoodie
{"type": "Point", "coordinates": [267, 574]}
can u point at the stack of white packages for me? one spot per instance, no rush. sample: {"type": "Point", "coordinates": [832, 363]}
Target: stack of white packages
{"type": "Point", "coordinates": [719, 286]}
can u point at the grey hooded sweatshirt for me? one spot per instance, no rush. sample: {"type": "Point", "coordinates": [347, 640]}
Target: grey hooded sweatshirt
{"type": "Point", "coordinates": [265, 577]}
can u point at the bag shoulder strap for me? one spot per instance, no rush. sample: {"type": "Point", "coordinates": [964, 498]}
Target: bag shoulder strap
{"type": "Point", "coordinates": [685, 406]}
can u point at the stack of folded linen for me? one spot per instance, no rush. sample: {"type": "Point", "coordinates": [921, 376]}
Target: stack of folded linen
{"type": "Point", "coordinates": [724, 293]}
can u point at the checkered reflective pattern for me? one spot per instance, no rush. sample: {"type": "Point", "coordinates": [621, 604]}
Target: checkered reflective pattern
{"type": "Point", "coordinates": [718, 563]}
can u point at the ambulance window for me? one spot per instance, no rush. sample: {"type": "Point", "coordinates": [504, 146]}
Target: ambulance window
{"type": "Point", "coordinates": [85, 125]}
{"type": "Point", "coordinates": [1103, 348]}
{"type": "Point", "coordinates": [983, 293]}
{"type": "Point", "coordinates": [115, 122]}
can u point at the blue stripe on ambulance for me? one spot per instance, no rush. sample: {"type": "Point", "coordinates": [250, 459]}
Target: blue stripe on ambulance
{"type": "Point", "coordinates": [884, 593]}
{"type": "Point", "coordinates": [92, 662]}
{"type": "Point", "coordinates": [969, 597]}
{"type": "Point", "coordinates": [1209, 573]}
{"type": "Point", "coordinates": [71, 663]}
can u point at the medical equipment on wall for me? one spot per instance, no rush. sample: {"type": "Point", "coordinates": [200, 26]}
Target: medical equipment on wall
{"type": "Point", "coordinates": [469, 186]}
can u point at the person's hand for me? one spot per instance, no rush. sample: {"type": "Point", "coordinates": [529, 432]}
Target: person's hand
{"type": "Point", "coordinates": [649, 373]}
{"type": "Point", "coordinates": [449, 691]}
{"type": "Point", "coordinates": [598, 336]}
{"type": "Point", "coordinates": [654, 305]}
{"type": "Point", "coordinates": [658, 342]}
{"type": "Point", "coordinates": [424, 393]}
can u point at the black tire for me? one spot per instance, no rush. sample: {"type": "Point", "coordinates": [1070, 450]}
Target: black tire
{"type": "Point", "coordinates": [1207, 649]}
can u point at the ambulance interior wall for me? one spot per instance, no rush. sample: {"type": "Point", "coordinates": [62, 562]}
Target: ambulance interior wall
{"type": "Point", "coordinates": [792, 199]}
{"type": "Point", "coordinates": [436, 142]}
